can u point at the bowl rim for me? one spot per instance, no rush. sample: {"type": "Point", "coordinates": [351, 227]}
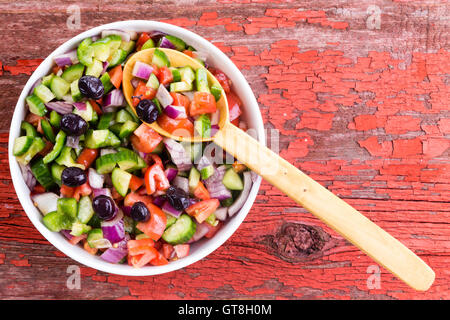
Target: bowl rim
{"type": "Point", "coordinates": [75, 252]}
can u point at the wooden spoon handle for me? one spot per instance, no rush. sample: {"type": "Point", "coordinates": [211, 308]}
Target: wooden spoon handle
{"type": "Point", "coordinates": [351, 224]}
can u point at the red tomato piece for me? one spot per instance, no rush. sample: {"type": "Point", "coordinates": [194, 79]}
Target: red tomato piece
{"type": "Point", "coordinates": [67, 192]}
{"type": "Point", "coordinates": [178, 127]}
{"type": "Point", "coordinates": [165, 76]}
{"type": "Point", "coordinates": [142, 92]}
{"type": "Point", "coordinates": [181, 250]}
{"type": "Point", "coordinates": [134, 197]}
{"type": "Point", "coordinates": [159, 260]}
{"type": "Point", "coordinates": [83, 190]}
{"type": "Point", "coordinates": [115, 75]}
{"type": "Point", "coordinates": [180, 100]}
{"type": "Point", "coordinates": [155, 179]}
{"type": "Point", "coordinates": [224, 81]}
{"type": "Point", "coordinates": [204, 102]}
{"type": "Point", "coordinates": [145, 139]}
{"type": "Point", "coordinates": [167, 250]}
{"type": "Point", "coordinates": [201, 192]}
{"type": "Point", "coordinates": [154, 228]}
{"type": "Point", "coordinates": [143, 37]}
{"type": "Point", "coordinates": [87, 157]}
{"type": "Point", "coordinates": [140, 260]}
{"type": "Point", "coordinates": [203, 209]}
{"type": "Point", "coordinates": [212, 230]}
{"type": "Point", "coordinates": [234, 106]}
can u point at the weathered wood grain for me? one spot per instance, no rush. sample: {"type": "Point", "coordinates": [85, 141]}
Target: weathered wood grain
{"type": "Point", "coordinates": [364, 110]}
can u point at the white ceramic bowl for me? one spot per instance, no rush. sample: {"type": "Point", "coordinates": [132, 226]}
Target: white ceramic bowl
{"type": "Point", "coordinates": [198, 250]}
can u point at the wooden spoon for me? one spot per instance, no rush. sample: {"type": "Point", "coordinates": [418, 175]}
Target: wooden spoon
{"type": "Point", "coordinates": [347, 221]}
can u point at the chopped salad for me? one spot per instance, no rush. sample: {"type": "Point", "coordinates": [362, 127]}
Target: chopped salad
{"type": "Point", "coordinates": [106, 180]}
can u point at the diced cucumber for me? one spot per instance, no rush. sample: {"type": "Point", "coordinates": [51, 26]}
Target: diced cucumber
{"type": "Point", "coordinates": [160, 58]}
{"type": "Point", "coordinates": [56, 221]}
{"type": "Point", "coordinates": [101, 51]}
{"type": "Point", "coordinates": [121, 181]}
{"type": "Point", "coordinates": [180, 86]}
{"type": "Point", "coordinates": [159, 148]}
{"type": "Point", "coordinates": [115, 128]}
{"type": "Point", "coordinates": [158, 105]}
{"type": "Point", "coordinates": [181, 231]}
{"type": "Point", "coordinates": [170, 220]}
{"type": "Point", "coordinates": [227, 202]}
{"type": "Point", "coordinates": [191, 48]}
{"type": "Point", "coordinates": [85, 209]}
{"type": "Point", "coordinates": [85, 52]}
{"type": "Point", "coordinates": [148, 44]}
{"type": "Point", "coordinates": [105, 120]}
{"type": "Point", "coordinates": [94, 234]}
{"type": "Point", "coordinates": [194, 178]}
{"type": "Point", "coordinates": [194, 150]}
{"type": "Point", "coordinates": [128, 46]}
{"type": "Point", "coordinates": [48, 130]}
{"type": "Point", "coordinates": [57, 148]}
{"type": "Point", "coordinates": [106, 163]}
{"type": "Point", "coordinates": [126, 159]}
{"type": "Point", "coordinates": [207, 172]}
{"type": "Point", "coordinates": [153, 82]}
{"type": "Point", "coordinates": [95, 221]}
{"type": "Point", "coordinates": [68, 206]}
{"type": "Point", "coordinates": [122, 116]}
{"type": "Point", "coordinates": [106, 81]}
{"type": "Point", "coordinates": [232, 180]}
{"type": "Point", "coordinates": [86, 114]}
{"type": "Point", "coordinates": [36, 105]}
{"type": "Point", "coordinates": [176, 75]}
{"type": "Point", "coordinates": [75, 91]}
{"type": "Point", "coordinates": [65, 158]}
{"type": "Point", "coordinates": [79, 228]}
{"type": "Point", "coordinates": [142, 236]}
{"type": "Point", "coordinates": [212, 220]}
{"type": "Point", "coordinates": [201, 80]}
{"type": "Point", "coordinates": [44, 93]}
{"type": "Point", "coordinates": [37, 146]}
{"type": "Point", "coordinates": [127, 129]}
{"type": "Point", "coordinates": [130, 111]}
{"type": "Point", "coordinates": [57, 170]}
{"type": "Point", "coordinates": [94, 119]}
{"type": "Point", "coordinates": [95, 68]}
{"type": "Point", "coordinates": [128, 224]}
{"type": "Point", "coordinates": [74, 72]}
{"type": "Point", "coordinates": [216, 91]}
{"type": "Point", "coordinates": [179, 44]}
{"type": "Point", "coordinates": [101, 138]}
{"type": "Point", "coordinates": [187, 74]}
{"type": "Point", "coordinates": [203, 126]}
{"type": "Point", "coordinates": [55, 119]}
{"type": "Point", "coordinates": [47, 80]}
{"type": "Point", "coordinates": [30, 131]}
{"type": "Point", "coordinates": [21, 145]}
{"type": "Point", "coordinates": [117, 58]}
{"type": "Point", "coordinates": [42, 173]}
{"type": "Point", "coordinates": [59, 87]}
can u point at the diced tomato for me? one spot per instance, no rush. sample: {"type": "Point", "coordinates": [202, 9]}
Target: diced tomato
{"type": "Point", "coordinates": [145, 139]}
{"type": "Point", "coordinates": [155, 179]}
{"type": "Point", "coordinates": [154, 228]}
{"type": "Point", "coordinates": [134, 197]}
{"type": "Point", "coordinates": [33, 119]}
{"type": "Point", "coordinates": [76, 239]}
{"type": "Point", "coordinates": [67, 192]}
{"type": "Point", "coordinates": [155, 70]}
{"type": "Point", "coordinates": [159, 260]}
{"type": "Point", "coordinates": [178, 127]}
{"type": "Point", "coordinates": [56, 69]}
{"type": "Point", "coordinates": [239, 167]}
{"type": "Point", "coordinates": [115, 75]}
{"type": "Point", "coordinates": [140, 260]}
{"type": "Point", "coordinates": [39, 127]}
{"type": "Point", "coordinates": [212, 230]}
{"type": "Point", "coordinates": [38, 189]}
{"type": "Point", "coordinates": [181, 250]}
{"type": "Point", "coordinates": [143, 37]}
{"type": "Point", "coordinates": [180, 100]}
{"type": "Point", "coordinates": [165, 76]}
{"type": "Point", "coordinates": [48, 147]}
{"type": "Point", "coordinates": [135, 183]}
{"type": "Point", "coordinates": [204, 102]}
{"type": "Point", "coordinates": [203, 209]}
{"type": "Point", "coordinates": [189, 53]}
{"type": "Point", "coordinates": [142, 92]}
{"type": "Point", "coordinates": [136, 247]}
{"type": "Point", "coordinates": [167, 250]}
{"type": "Point", "coordinates": [115, 195]}
{"type": "Point", "coordinates": [83, 190]}
{"type": "Point", "coordinates": [155, 160]}
{"type": "Point", "coordinates": [87, 157]}
{"type": "Point", "coordinates": [222, 78]}
{"type": "Point", "coordinates": [234, 104]}
{"type": "Point", "coordinates": [96, 107]}
{"type": "Point", "coordinates": [201, 192]}
{"type": "Point", "coordinates": [88, 248]}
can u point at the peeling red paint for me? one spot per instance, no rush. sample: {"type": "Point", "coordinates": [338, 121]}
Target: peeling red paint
{"type": "Point", "coordinates": [23, 66]}
{"type": "Point", "coordinates": [21, 263]}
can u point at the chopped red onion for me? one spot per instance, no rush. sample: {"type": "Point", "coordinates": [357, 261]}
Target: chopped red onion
{"type": "Point", "coordinates": [171, 173]}
{"type": "Point", "coordinates": [67, 234]}
{"type": "Point", "coordinates": [203, 163]}
{"type": "Point", "coordinates": [123, 34]}
{"type": "Point", "coordinates": [28, 176]}
{"type": "Point", "coordinates": [214, 129]}
{"type": "Point", "coordinates": [164, 96]}
{"type": "Point", "coordinates": [167, 208]}
{"type": "Point", "coordinates": [60, 107]}
{"type": "Point", "coordinates": [189, 94]}
{"type": "Point", "coordinates": [159, 201]}
{"type": "Point", "coordinates": [95, 179]}
{"type": "Point", "coordinates": [142, 70]}
{"type": "Point", "coordinates": [221, 213]}
{"type": "Point", "coordinates": [66, 59]}
{"type": "Point", "coordinates": [113, 99]}
{"type": "Point", "coordinates": [73, 141]}
{"type": "Point", "coordinates": [101, 192]}
{"type": "Point", "coordinates": [134, 82]}
{"type": "Point", "coordinates": [156, 35]}
{"type": "Point", "coordinates": [215, 185]}
{"type": "Point", "coordinates": [215, 117]}
{"type": "Point", "coordinates": [201, 230]}
{"type": "Point", "coordinates": [38, 82]}
{"type": "Point", "coordinates": [182, 183]}
{"type": "Point", "coordinates": [165, 43]}
{"type": "Point", "coordinates": [114, 255]}
{"type": "Point", "coordinates": [181, 250]}
{"type": "Point", "coordinates": [175, 112]}
{"type": "Point", "coordinates": [114, 230]}
{"type": "Point", "coordinates": [178, 154]}
{"type": "Point", "coordinates": [239, 202]}
{"type": "Point", "coordinates": [46, 202]}
{"type": "Point", "coordinates": [105, 67]}
{"type": "Point", "coordinates": [234, 113]}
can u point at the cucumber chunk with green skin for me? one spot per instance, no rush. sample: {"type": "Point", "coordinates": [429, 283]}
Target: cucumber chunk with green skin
{"type": "Point", "coordinates": [106, 81]}
{"type": "Point", "coordinates": [36, 105]}
{"type": "Point", "coordinates": [121, 181]}
{"type": "Point", "coordinates": [55, 119]}
{"type": "Point", "coordinates": [21, 145]}
{"type": "Point", "coordinates": [179, 44]}
{"type": "Point", "coordinates": [101, 138]}
{"type": "Point", "coordinates": [201, 80]}
{"type": "Point", "coordinates": [101, 51]}
{"type": "Point", "coordinates": [59, 87]}
{"type": "Point", "coordinates": [176, 75]}
{"type": "Point", "coordinates": [203, 126]}
{"type": "Point", "coordinates": [130, 111]}
{"type": "Point", "coordinates": [47, 80]}
{"type": "Point", "coordinates": [181, 86]}
{"type": "Point", "coordinates": [60, 140]}
{"type": "Point", "coordinates": [194, 179]}
{"type": "Point", "coordinates": [73, 72]}
{"type": "Point", "coordinates": [105, 120]}
{"type": "Point", "coordinates": [85, 209]}
{"type": "Point", "coordinates": [86, 114]}
{"type": "Point", "coordinates": [153, 82]}
{"type": "Point", "coordinates": [148, 44]}
{"type": "Point", "coordinates": [57, 170]}
{"type": "Point", "coordinates": [93, 235]}
{"type": "Point", "coordinates": [30, 130]}
{"type": "Point", "coordinates": [75, 91]}
{"type": "Point", "coordinates": [181, 231]}
{"type": "Point", "coordinates": [42, 173]}
{"type": "Point", "coordinates": [160, 58]}
{"type": "Point", "coordinates": [85, 52]}
{"type": "Point", "coordinates": [207, 172]}
{"type": "Point", "coordinates": [187, 74]}
{"type": "Point", "coordinates": [122, 116]}
{"type": "Point", "coordinates": [127, 129]}
{"type": "Point", "coordinates": [158, 105]}
{"type": "Point", "coordinates": [95, 69]}
{"type": "Point", "coordinates": [216, 91]}
{"type": "Point", "coordinates": [106, 163]}
{"type": "Point", "coordinates": [48, 130]}
{"type": "Point", "coordinates": [117, 58]}
{"type": "Point", "coordinates": [56, 221]}
{"type": "Point", "coordinates": [44, 93]}
{"type": "Point", "coordinates": [68, 206]}
{"type": "Point", "coordinates": [232, 180]}
{"type": "Point", "coordinates": [128, 46]}
{"type": "Point", "coordinates": [79, 228]}
{"type": "Point", "coordinates": [212, 220]}
{"type": "Point", "coordinates": [159, 148]}
{"type": "Point", "coordinates": [95, 221]}
{"type": "Point", "coordinates": [37, 146]}
{"type": "Point", "coordinates": [115, 128]}
{"type": "Point", "coordinates": [227, 202]}
{"type": "Point", "coordinates": [170, 220]}
{"type": "Point", "coordinates": [126, 159]}
{"type": "Point", "coordinates": [65, 159]}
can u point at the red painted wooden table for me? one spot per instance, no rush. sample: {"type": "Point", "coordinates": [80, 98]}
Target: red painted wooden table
{"type": "Point", "coordinates": [359, 91]}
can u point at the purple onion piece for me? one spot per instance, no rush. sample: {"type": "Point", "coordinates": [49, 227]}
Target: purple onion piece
{"type": "Point", "coordinates": [114, 98]}
{"type": "Point", "coordinates": [200, 232]}
{"type": "Point", "coordinates": [101, 192]}
{"type": "Point", "coordinates": [114, 255]}
{"type": "Point", "coordinates": [159, 201]}
{"type": "Point", "coordinates": [73, 141]}
{"type": "Point", "coordinates": [164, 96]}
{"type": "Point", "coordinates": [114, 229]}
{"type": "Point", "coordinates": [142, 70]}
{"type": "Point", "coordinates": [215, 186]}
{"type": "Point", "coordinates": [171, 173]}
{"type": "Point", "coordinates": [175, 112]}
{"type": "Point", "coordinates": [60, 107]}
{"type": "Point", "coordinates": [165, 43]}
{"type": "Point", "coordinates": [178, 154]}
{"type": "Point", "coordinates": [167, 208]}
{"type": "Point", "coordinates": [182, 183]}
